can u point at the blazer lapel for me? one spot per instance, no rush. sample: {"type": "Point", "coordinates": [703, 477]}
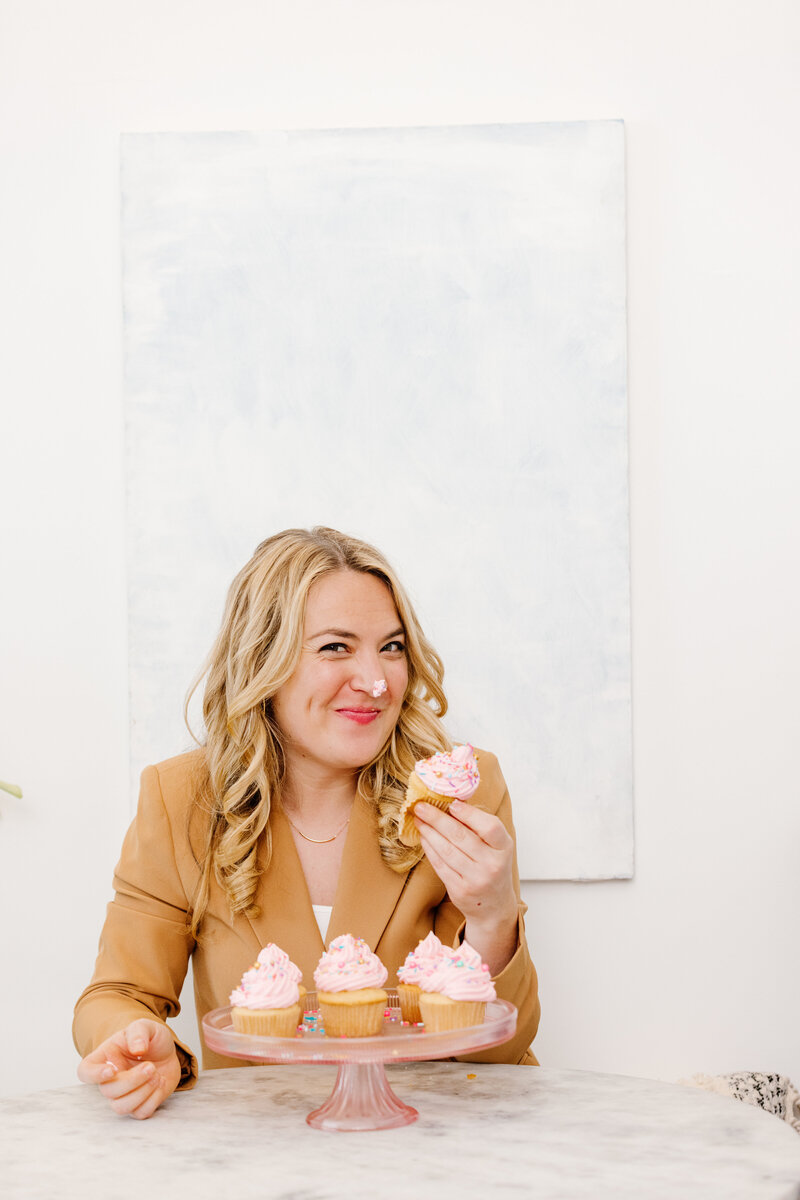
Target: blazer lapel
{"type": "Point", "coordinates": [366, 894]}
{"type": "Point", "coordinates": [286, 917]}
{"type": "Point", "coordinates": [368, 890]}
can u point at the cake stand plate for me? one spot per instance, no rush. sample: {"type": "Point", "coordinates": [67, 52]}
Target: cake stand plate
{"type": "Point", "coordinates": [361, 1097]}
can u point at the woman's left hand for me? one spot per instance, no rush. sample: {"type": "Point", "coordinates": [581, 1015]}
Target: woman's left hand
{"type": "Point", "coordinates": [472, 853]}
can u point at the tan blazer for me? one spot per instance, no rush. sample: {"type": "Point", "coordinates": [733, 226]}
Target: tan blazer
{"type": "Point", "coordinates": [145, 948]}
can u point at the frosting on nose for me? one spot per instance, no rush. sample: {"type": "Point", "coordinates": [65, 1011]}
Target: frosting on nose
{"type": "Point", "coordinates": [378, 688]}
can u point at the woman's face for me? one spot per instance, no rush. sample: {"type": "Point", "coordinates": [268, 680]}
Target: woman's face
{"type": "Point", "coordinates": [352, 639]}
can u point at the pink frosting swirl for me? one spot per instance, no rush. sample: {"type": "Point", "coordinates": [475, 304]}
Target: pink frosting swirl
{"type": "Point", "coordinates": [347, 965]}
{"type": "Point", "coordinates": [420, 962]}
{"type": "Point", "coordinates": [454, 773]}
{"type": "Point", "coordinates": [270, 983]}
{"type": "Point", "coordinates": [460, 974]}
{"type": "Point", "coordinates": [275, 959]}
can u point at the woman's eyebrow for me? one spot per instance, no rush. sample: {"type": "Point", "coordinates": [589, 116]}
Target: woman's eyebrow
{"type": "Point", "coordinates": [344, 633]}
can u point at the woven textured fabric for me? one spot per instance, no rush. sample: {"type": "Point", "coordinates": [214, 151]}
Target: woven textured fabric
{"type": "Point", "coordinates": [774, 1093]}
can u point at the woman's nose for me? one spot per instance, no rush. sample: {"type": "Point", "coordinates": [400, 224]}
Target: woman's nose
{"type": "Point", "coordinates": [367, 674]}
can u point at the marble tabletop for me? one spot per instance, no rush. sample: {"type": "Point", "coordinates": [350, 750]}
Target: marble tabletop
{"type": "Point", "coordinates": [482, 1130]}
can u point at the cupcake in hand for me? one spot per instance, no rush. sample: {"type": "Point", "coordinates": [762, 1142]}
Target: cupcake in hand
{"type": "Point", "coordinates": [456, 990]}
{"type": "Point", "coordinates": [350, 992]}
{"type": "Point", "coordinates": [418, 965]}
{"type": "Point", "coordinates": [268, 1001]}
{"type": "Point", "coordinates": [438, 780]}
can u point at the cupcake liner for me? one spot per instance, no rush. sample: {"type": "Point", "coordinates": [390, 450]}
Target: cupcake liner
{"type": "Point", "coordinates": [408, 995]}
{"type": "Point", "coordinates": [440, 1013]}
{"type": "Point", "coordinates": [353, 1014]}
{"type": "Point", "coordinates": [416, 791]}
{"type": "Point", "coordinates": [268, 1022]}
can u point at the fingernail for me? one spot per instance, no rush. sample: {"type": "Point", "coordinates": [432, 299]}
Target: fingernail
{"type": "Point", "coordinates": [138, 1047]}
{"type": "Point", "coordinates": [108, 1072]}
{"type": "Point", "coordinates": [149, 1070]}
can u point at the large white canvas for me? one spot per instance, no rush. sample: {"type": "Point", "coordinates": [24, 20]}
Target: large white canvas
{"type": "Point", "coordinates": [416, 336]}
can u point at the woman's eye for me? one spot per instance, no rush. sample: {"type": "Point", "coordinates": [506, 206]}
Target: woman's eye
{"type": "Point", "coordinates": [334, 647]}
{"type": "Point", "coordinates": [395, 647]}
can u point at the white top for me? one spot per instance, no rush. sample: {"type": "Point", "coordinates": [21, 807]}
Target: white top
{"type": "Point", "coordinates": [323, 914]}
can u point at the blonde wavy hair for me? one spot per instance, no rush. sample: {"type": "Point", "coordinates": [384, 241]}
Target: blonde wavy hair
{"type": "Point", "coordinates": [255, 654]}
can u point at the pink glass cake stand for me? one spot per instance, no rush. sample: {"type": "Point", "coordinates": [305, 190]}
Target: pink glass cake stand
{"type": "Point", "coordinates": [361, 1097]}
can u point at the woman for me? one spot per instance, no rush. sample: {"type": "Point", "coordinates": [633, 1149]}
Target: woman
{"type": "Point", "coordinates": [321, 693]}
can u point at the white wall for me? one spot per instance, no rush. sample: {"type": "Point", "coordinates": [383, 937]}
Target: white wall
{"type": "Point", "coordinates": [694, 964]}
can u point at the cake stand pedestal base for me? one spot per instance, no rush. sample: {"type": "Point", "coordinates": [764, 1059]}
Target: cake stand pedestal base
{"type": "Point", "coordinates": [362, 1099]}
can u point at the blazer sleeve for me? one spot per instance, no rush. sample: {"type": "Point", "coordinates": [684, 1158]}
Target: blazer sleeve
{"type": "Point", "coordinates": [517, 982]}
{"type": "Point", "coordinates": [145, 945]}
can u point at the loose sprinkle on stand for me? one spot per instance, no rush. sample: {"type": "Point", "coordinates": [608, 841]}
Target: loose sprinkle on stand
{"type": "Point", "coordinates": [472, 1077]}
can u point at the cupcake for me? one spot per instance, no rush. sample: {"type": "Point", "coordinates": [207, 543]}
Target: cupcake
{"type": "Point", "coordinates": [438, 780]}
{"type": "Point", "coordinates": [418, 965]}
{"type": "Point", "coordinates": [456, 990]}
{"type": "Point", "coordinates": [350, 994]}
{"type": "Point", "coordinates": [268, 1001]}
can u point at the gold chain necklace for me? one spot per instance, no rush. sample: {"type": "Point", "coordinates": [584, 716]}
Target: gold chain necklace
{"type": "Point", "coordinates": [316, 841]}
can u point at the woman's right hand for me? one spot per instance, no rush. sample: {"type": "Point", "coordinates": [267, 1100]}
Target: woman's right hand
{"type": "Point", "coordinates": [135, 1069]}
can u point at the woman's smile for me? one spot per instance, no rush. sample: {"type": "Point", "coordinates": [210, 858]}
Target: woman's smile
{"type": "Point", "coordinates": [362, 716]}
